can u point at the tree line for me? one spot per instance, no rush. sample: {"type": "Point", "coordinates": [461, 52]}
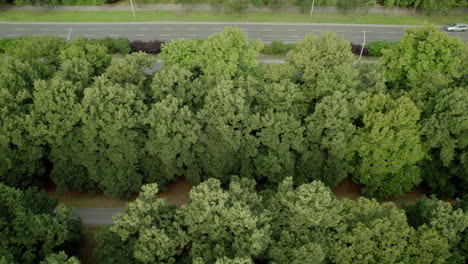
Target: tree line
{"type": "Point", "coordinates": [213, 111]}
{"type": "Point", "coordinates": [302, 225]}
{"type": "Point", "coordinates": [239, 6]}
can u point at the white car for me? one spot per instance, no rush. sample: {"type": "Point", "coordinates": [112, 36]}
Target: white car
{"type": "Point", "coordinates": [457, 27]}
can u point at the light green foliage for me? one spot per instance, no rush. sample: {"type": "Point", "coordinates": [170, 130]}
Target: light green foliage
{"type": "Point", "coordinates": [111, 135]}
{"type": "Point", "coordinates": [77, 70]}
{"type": "Point", "coordinates": [280, 137]}
{"type": "Point", "coordinates": [41, 52]}
{"type": "Point", "coordinates": [331, 138]}
{"type": "Point", "coordinates": [446, 134]}
{"type": "Point", "coordinates": [424, 62]}
{"type": "Point", "coordinates": [131, 70]}
{"type": "Point", "coordinates": [59, 258]}
{"type": "Point", "coordinates": [302, 219]}
{"type": "Point", "coordinates": [390, 146]}
{"type": "Point", "coordinates": [281, 96]}
{"type": "Point", "coordinates": [323, 64]}
{"type": "Point", "coordinates": [234, 261]}
{"type": "Point", "coordinates": [276, 4]}
{"type": "Point", "coordinates": [374, 233]}
{"type": "Point", "coordinates": [30, 230]}
{"type": "Point", "coordinates": [236, 6]}
{"type": "Point", "coordinates": [225, 223]}
{"type": "Point", "coordinates": [21, 156]}
{"type": "Point", "coordinates": [96, 55]}
{"type": "Point", "coordinates": [172, 134]}
{"type": "Point", "coordinates": [225, 54]}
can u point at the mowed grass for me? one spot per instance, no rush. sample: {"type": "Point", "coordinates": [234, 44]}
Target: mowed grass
{"type": "Point", "coordinates": [126, 16]}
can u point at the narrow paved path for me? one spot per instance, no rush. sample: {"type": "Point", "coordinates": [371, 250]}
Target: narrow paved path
{"type": "Point", "coordinates": [97, 216]}
{"type": "Point", "coordinates": [267, 32]}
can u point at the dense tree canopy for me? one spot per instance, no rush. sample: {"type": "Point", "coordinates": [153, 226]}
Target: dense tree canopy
{"type": "Point", "coordinates": [307, 224]}
{"type": "Point", "coordinates": [89, 122]}
{"type": "Point", "coordinates": [33, 228]}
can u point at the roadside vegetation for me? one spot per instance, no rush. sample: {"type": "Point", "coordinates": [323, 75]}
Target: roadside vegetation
{"type": "Point", "coordinates": [265, 142]}
{"type": "Point", "coordinates": [276, 16]}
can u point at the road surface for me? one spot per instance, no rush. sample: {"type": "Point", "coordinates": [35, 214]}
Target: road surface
{"type": "Point", "coordinates": [286, 32]}
{"type": "Point", "coordinates": [97, 216]}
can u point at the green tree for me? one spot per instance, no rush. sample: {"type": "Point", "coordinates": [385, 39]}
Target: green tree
{"type": "Point", "coordinates": [346, 5]}
{"type": "Point", "coordinates": [22, 164]}
{"type": "Point", "coordinates": [146, 232]}
{"type": "Point", "coordinates": [59, 258]}
{"type": "Point", "coordinates": [424, 62]}
{"type": "Point", "coordinates": [131, 70]}
{"type": "Point", "coordinates": [225, 223]}
{"type": "Point", "coordinates": [311, 62]}
{"type": "Point", "coordinates": [303, 220]}
{"type": "Point", "coordinates": [390, 146]}
{"type": "Point", "coordinates": [305, 5]}
{"type": "Point", "coordinates": [172, 134]}
{"type": "Point", "coordinates": [30, 228]}
{"type": "Point", "coordinates": [95, 54]}
{"type": "Point", "coordinates": [236, 6]}
{"type": "Point", "coordinates": [331, 138]}
{"type": "Point", "coordinates": [112, 144]}
{"type": "Point", "coordinates": [445, 134]}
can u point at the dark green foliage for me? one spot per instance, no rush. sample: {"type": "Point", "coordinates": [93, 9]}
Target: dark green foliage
{"type": "Point", "coordinates": [5, 43]}
{"type": "Point", "coordinates": [375, 48]}
{"type": "Point", "coordinates": [31, 229]}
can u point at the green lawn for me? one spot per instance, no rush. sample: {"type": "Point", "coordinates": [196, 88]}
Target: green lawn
{"type": "Point", "coordinates": [124, 16]}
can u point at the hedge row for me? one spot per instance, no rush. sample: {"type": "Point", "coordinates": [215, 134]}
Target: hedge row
{"type": "Point", "coordinates": [124, 46]}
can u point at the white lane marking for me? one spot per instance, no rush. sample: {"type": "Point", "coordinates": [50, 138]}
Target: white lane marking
{"type": "Point", "coordinates": [243, 29]}
{"type": "Point", "coordinates": [294, 36]}
{"type": "Point", "coordinates": [43, 29]}
{"type": "Point", "coordinates": [385, 38]}
{"type": "Point", "coordinates": [89, 36]}
{"type": "Point", "coordinates": [191, 35]}
{"type": "Point", "coordinates": [216, 29]}
{"type": "Point", "coordinates": [12, 35]}
{"type": "Point", "coordinates": [114, 35]}
{"type": "Point", "coordinates": [20, 29]}
{"type": "Point", "coordinates": [168, 29]}
{"type": "Point", "coordinates": [164, 35]}
{"type": "Point", "coordinates": [268, 36]}
{"type": "Point", "coordinates": [92, 29]}
{"type": "Point", "coordinates": [192, 29]}
{"type": "Point", "coordinates": [142, 29]}
{"type": "Point", "coordinates": [69, 34]}
{"type": "Point", "coordinates": [140, 35]}
{"type": "Point", "coordinates": [391, 32]}
{"type": "Point", "coordinates": [315, 30]}
{"type": "Point", "coordinates": [291, 29]}
{"type": "Point", "coordinates": [267, 29]}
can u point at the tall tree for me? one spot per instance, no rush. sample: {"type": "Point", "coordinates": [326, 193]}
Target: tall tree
{"type": "Point", "coordinates": [390, 146]}
{"type": "Point", "coordinates": [225, 223]}
{"type": "Point", "coordinates": [311, 62]}
{"type": "Point", "coordinates": [445, 135]}
{"type": "Point", "coordinates": [112, 136]}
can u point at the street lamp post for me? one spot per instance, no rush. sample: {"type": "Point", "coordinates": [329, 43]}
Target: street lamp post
{"type": "Point", "coordinates": [133, 10]}
{"type": "Point", "coordinates": [312, 8]}
{"type": "Point", "coordinates": [363, 44]}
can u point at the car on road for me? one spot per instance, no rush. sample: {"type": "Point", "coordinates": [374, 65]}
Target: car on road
{"type": "Point", "coordinates": [457, 27]}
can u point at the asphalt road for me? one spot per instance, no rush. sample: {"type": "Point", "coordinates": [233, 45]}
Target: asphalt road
{"type": "Point", "coordinates": [97, 216]}
{"type": "Point", "coordinates": [286, 32]}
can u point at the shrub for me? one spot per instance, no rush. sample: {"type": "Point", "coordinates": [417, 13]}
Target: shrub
{"type": "Point", "coordinates": [277, 47]}
{"type": "Point", "coordinates": [4, 43]}
{"type": "Point", "coordinates": [356, 49]}
{"type": "Point", "coordinates": [153, 47]}
{"type": "Point", "coordinates": [375, 48]}
{"type": "Point", "coordinates": [114, 45]}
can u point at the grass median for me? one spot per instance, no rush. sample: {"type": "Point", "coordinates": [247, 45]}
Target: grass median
{"type": "Point", "coordinates": [292, 17]}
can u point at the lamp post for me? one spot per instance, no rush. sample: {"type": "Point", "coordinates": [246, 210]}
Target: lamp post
{"type": "Point", "coordinates": [312, 8]}
{"type": "Point", "coordinates": [362, 47]}
{"type": "Point", "coordinates": [133, 10]}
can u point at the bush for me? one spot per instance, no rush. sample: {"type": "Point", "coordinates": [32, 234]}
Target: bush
{"type": "Point", "coordinates": [277, 47]}
{"type": "Point", "coordinates": [4, 43]}
{"type": "Point", "coordinates": [114, 45]}
{"type": "Point", "coordinates": [356, 49]}
{"type": "Point", "coordinates": [153, 47]}
{"type": "Point", "coordinates": [375, 48]}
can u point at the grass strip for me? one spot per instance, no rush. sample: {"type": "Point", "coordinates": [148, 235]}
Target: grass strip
{"type": "Point", "coordinates": [286, 17]}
